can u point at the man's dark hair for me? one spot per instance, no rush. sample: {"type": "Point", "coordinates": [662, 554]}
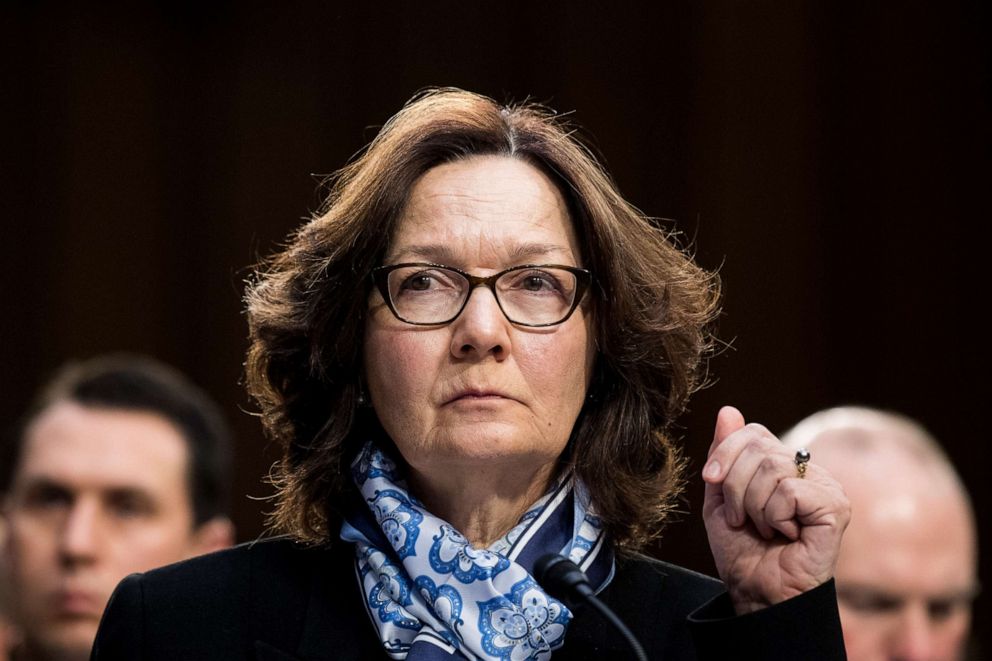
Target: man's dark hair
{"type": "Point", "coordinates": [138, 383]}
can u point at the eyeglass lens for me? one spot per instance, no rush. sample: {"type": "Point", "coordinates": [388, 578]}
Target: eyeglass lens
{"type": "Point", "coordinates": [528, 295]}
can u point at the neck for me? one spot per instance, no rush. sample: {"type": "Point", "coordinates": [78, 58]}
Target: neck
{"type": "Point", "coordinates": [483, 504]}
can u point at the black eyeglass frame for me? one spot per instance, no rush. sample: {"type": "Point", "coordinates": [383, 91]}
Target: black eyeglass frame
{"type": "Point", "coordinates": [380, 277]}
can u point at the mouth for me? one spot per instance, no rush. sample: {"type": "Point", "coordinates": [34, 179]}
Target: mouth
{"type": "Point", "coordinates": [77, 603]}
{"type": "Point", "coordinates": [477, 395]}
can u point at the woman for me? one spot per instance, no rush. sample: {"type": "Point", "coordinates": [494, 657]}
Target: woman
{"type": "Point", "coordinates": [471, 357]}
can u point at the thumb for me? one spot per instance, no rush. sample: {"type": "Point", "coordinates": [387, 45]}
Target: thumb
{"type": "Point", "coordinates": [728, 420]}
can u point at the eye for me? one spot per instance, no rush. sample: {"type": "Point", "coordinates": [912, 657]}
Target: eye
{"type": "Point", "coordinates": [129, 504]}
{"type": "Point", "coordinates": [419, 282]}
{"type": "Point", "coordinates": [424, 280]}
{"type": "Point", "coordinates": [870, 602]}
{"type": "Point", "coordinates": [940, 610]}
{"type": "Point", "coordinates": [47, 496]}
{"type": "Point", "coordinates": [536, 280]}
{"type": "Point", "coordinates": [535, 283]}
{"type": "Point", "coordinates": [943, 609]}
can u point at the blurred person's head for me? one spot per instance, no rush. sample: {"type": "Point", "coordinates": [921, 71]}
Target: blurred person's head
{"type": "Point", "coordinates": [907, 571]}
{"type": "Point", "coordinates": [9, 636]}
{"type": "Point", "coordinates": [119, 466]}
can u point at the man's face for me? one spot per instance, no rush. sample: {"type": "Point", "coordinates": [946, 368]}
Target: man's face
{"type": "Point", "coordinates": [99, 493]}
{"type": "Point", "coordinates": [906, 572]}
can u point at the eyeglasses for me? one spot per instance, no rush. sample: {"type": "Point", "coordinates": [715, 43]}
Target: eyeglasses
{"type": "Point", "coordinates": [431, 294]}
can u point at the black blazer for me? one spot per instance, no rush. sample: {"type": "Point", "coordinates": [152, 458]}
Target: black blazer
{"type": "Point", "coordinates": [275, 600]}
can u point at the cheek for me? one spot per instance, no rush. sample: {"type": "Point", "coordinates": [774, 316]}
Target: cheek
{"type": "Point", "coordinates": [955, 628]}
{"type": "Point", "coordinates": [30, 544]}
{"type": "Point", "coordinates": [395, 363]}
{"type": "Point", "coordinates": [401, 369]}
{"type": "Point", "coordinates": [558, 368]}
{"type": "Point", "coordinates": [860, 637]}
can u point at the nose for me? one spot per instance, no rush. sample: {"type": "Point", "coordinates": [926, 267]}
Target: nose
{"type": "Point", "coordinates": [481, 329]}
{"type": "Point", "coordinates": [80, 535]}
{"type": "Point", "coordinates": [913, 636]}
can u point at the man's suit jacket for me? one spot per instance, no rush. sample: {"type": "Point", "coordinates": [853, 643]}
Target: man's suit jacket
{"type": "Point", "coordinates": [275, 600]}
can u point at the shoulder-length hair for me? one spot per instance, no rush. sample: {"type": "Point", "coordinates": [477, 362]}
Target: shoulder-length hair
{"type": "Point", "coordinates": [307, 308]}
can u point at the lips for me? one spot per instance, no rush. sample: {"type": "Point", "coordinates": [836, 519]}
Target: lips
{"type": "Point", "coordinates": [77, 603]}
{"type": "Point", "coordinates": [477, 394]}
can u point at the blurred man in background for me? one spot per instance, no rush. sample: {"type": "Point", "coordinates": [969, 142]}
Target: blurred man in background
{"type": "Point", "coordinates": [907, 570]}
{"type": "Point", "coordinates": [120, 465]}
{"type": "Point", "coordinates": [9, 635]}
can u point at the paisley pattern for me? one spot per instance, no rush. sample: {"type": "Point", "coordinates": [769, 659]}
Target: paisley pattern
{"type": "Point", "coordinates": [446, 603]}
{"type": "Point", "coordinates": [452, 554]}
{"type": "Point", "coordinates": [523, 624]}
{"type": "Point", "coordinates": [374, 464]}
{"type": "Point", "coordinates": [398, 518]}
{"type": "Point", "coordinates": [391, 593]}
{"type": "Point", "coordinates": [431, 594]}
{"type": "Point", "coordinates": [586, 537]}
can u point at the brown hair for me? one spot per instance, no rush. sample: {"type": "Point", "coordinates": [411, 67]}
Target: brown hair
{"type": "Point", "coordinates": [307, 308]}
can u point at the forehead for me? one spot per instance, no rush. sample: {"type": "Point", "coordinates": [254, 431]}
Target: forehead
{"type": "Point", "coordinates": [915, 537]}
{"type": "Point", "coordinates": [485, 208]}
{"type": "Point", "coordinates": [97, 448]}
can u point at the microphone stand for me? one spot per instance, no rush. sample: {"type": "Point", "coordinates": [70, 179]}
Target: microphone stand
{"type": "Point", "coordinates": [563, 580]}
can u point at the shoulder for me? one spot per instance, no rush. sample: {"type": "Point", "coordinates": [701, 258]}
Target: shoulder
{"type": "Point", "coordinates": [268, 550]}
{"type": "Point", "coordinates": [222, 601]}
{"type": "Point", "coordinates": [224, 575]}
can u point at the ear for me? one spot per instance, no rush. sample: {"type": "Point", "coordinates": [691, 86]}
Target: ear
{"type": "Point", "coordinates": [212, 535]}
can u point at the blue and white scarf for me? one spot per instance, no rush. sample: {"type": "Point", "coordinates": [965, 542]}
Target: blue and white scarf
{"type": "Point", "coordinates": [431, 595]}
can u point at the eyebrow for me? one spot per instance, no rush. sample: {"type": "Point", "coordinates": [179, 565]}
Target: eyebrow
{"type": "Point", "coordinates": [35, 484]}
{"type": "Point", "coordinates": [862, 591]}
{"type": "Point", "coordinates": [441, 253]}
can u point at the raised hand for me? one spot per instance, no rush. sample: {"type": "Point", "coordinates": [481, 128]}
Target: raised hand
{"type": "Point", "coordinates": [772, 533]}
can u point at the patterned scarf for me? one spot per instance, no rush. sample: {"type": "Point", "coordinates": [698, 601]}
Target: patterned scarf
{"type": "Point", "coordinates": [432, 595]}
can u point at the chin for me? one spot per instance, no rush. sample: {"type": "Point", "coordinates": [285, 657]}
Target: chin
{"type": "Point", "coordinates": [70, 643]}
{"type": "Point", "coordinates": [491, 444]}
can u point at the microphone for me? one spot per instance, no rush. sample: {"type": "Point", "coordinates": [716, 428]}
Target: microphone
{"type": "Point", "coordinates": [563, 580]}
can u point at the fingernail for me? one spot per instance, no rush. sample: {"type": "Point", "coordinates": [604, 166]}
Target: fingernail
{"type": "Point", "coordinates": [712, 469]}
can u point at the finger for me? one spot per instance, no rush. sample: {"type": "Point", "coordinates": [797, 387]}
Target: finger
{"type": "Point", "coordinates": [724, 457]}
{"type": "Point", "coordinates": [781, 508]}
{"type": "Point", "coordinates": [772, 468]}
{"type": "Point", "coordinates": [724, 454]}
{"type": "Point", "coordinates": [738, 480]}
{"type": "Point", "coordinates": [728, 421]}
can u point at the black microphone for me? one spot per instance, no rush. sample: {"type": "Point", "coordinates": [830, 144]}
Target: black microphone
{"type": "Point", "coordinates": [563, 580]}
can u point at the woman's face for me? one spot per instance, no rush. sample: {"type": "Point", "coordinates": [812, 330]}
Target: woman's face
{"type": "Point", "coordinates": [480, 393]}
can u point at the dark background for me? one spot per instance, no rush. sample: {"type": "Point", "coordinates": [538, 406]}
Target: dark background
{"type": "Point", "coordinates": [831, 159]}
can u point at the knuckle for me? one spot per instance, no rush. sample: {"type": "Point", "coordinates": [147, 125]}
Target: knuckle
{"type": "Point", "coordinates": [759, 436]}
{"type": "Point", "coordinates": [757, 429]}
{"type": "Point", "coordinates": [770, 463]}
{"type": "Point", "coordinates": [790, 488]}
{"type": "Point", "coordinates": [731, 491]}
{"type": "Point", "coordinates": [756, 512]}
